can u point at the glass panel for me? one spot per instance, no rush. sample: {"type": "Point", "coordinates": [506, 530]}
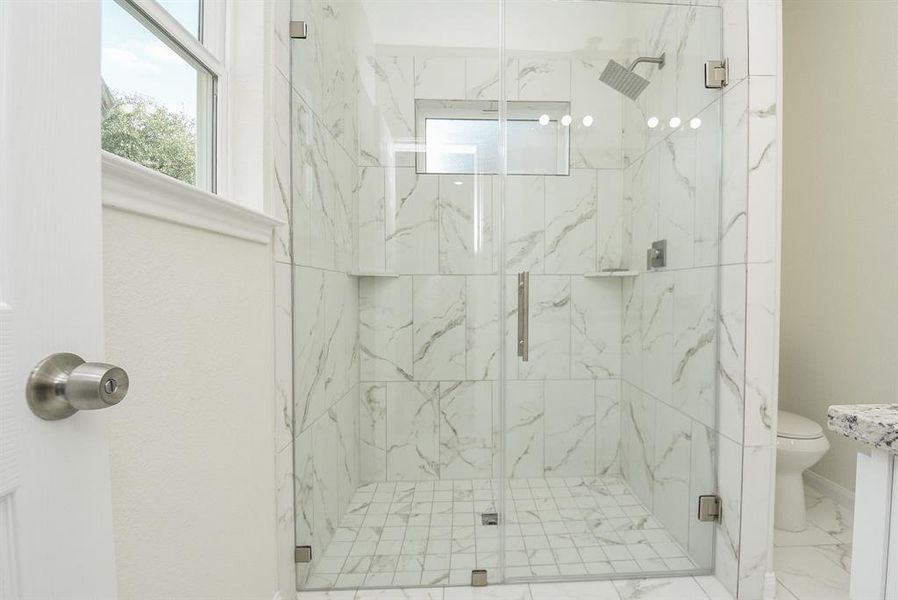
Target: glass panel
{"type": "Point", "coordinates": [533, 147]}
{"type": "Point", "coordinates": [396, 395]}
{"type": "Point", "coordinates": [462, 136]}
{"type": "Point", "coordinates": [609, 425]}
{"type": "Point", "coordinates": [461, 146]}
{"type": "Point", "coordinates": [157, 103]}
{"type": "Point", "coordinates": [414, 418]}
{"type": "Point", "coordinates": [189, 13]}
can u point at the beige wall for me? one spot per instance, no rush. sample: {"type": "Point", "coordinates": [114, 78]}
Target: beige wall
{"type": "Point", "coordinates": [189, 315]}
{"type": "Point", "coordinates": [840, 213]}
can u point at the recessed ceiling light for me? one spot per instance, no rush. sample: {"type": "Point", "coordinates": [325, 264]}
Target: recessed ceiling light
{"type": "Point", "coordinates": [695, 123]}
{"type": "Point", "coordinates": [566, 120]}
{"type": "Point", "coordinates": [652, 122]}
{"type": "Point", "coordinates": [675, 122]}
{"type": "Point", "coordinates": [544, 119]}
{"type": "Point", "coordinates": [587, 121]}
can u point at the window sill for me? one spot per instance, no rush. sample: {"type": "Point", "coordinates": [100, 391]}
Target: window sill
{"type": "Point", "coordinates": [134, 188]}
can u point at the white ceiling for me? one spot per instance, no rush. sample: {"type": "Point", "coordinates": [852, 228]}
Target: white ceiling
{"type": "Point", "coordinates": [540, 26]}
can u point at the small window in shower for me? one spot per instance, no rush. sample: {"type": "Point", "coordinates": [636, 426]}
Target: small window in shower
{"type": "Point", "coordinates": [462, 136]}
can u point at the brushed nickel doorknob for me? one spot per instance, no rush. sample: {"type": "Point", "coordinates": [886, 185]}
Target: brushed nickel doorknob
{"type": "Point", "coordinates": [62, 384]}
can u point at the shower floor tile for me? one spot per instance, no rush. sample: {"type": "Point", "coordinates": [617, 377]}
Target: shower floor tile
{"type": "Point", "coordinates": [430, 533]}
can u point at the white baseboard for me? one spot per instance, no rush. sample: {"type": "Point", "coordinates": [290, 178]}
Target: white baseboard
{"type": "Point", "coordinates": [830, 489]}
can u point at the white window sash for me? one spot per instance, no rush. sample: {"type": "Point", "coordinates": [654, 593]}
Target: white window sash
{"type": "Point", "coordinates": [206, 54]}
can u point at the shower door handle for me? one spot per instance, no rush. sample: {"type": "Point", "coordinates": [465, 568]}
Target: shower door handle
{"type": "Point", "coordinates": [524, 315]}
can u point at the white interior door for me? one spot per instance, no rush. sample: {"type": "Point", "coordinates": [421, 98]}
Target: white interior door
{"type": "Point", "coordinates": [55, 504]}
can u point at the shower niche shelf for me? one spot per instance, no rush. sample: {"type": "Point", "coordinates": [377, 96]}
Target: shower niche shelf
{"type": "Point", "coordinates": [371, 274]}
{"type": "Point", "coordinates": [596, 274]}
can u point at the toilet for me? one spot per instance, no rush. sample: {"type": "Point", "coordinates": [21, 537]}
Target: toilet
{"type": "Point", "coordinates": [800, 444]}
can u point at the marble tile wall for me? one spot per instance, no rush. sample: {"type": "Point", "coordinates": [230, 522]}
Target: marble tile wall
{"type": "Point", "coordinates": [325, 182]}
{"type": "Point", "coordinates": [671, 346]}
{"type": "Point", "coordinates": [428, 430]}
{"type": "Point", "coordinates": [632, 397]}
{"type": "Point", "coordinates": [435, 324]}
{"type": "Point", "coordinates": [429, 335]}
{"type": "Point", "coordinates": [671, 191]}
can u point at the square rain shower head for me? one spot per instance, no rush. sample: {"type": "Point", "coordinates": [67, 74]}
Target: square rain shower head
{"type": "Point", "coordinates": [623, 80]}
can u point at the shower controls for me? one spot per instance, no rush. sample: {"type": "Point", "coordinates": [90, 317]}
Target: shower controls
{"type": "Point", "coordinates": [716, 74]}
{"type": "Point", "coordinates": [62, 384]}
{"type": "Point", "coordinates": [656, 256]}
{"type": "Point", "coordinates": [524, 315]}
{"type": "Point", "coordinates": [489, 519]}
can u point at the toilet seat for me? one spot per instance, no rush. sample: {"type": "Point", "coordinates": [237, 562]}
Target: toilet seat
{"type": "Point", "coordinates": [795, 427]}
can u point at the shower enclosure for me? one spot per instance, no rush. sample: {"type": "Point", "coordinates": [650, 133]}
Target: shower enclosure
{"type": "Point", "coordinates": [505, 290]}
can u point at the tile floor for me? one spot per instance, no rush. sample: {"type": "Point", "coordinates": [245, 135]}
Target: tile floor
{"type": "Point", "coordinates": [430, 533]}
{"type": "Point", "coordinates": [669, 588]}
{"type": "Point", "coordinates": [815, 563]}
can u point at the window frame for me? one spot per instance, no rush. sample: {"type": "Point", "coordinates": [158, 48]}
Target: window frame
{"type": "Point", "coordinates": [203, 51]}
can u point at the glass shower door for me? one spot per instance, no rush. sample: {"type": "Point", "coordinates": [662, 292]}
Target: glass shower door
{"type": "Point", "coordinates": [609, 395]}
{"type": "Point", "coordinates": [396, 315]}
{"type": "Point", "coordinates": [505, 265]}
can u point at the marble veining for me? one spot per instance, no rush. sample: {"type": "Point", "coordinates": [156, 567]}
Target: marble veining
{"type": "Point", "coordinates": [595, 328]}
{"type": "Point", "coordinates": [816, 562]}
{"type": "Point", "coordinates": [621, 372]}
{"type": "Point", "coordinates": [525, 423]}
{"type": "Point", "coordinates": [466, 429]}
{"type": "Point", "coordinates": [395, 93]}
{"type": "Point", "coordinates": [412, 425]}
{"type": "Point", "coordinates": [482, 328]}
{"type": "Point", "coordinates": [439, 327]}
{"type": "Point", "coordinates": [412, 240]}
{"type": "Point", "coordinates": [570, 222]}
{"type": "Point", "coordinates": [429, 533]}
{"type": "Point", "coordinates": [385, 328]}
{"type": "Point", "coordinates": [525, 229]}
{"type": "Point", "coordinates": [373, 432]}
{"type": "Point", "coordinates": [466, 224]}
{"type": "Point", "coordinates": [670, 471]}
{"type": "Point", "coordinates": [570, 427]}
{"type": "Point", "coordinates": [550, 334]}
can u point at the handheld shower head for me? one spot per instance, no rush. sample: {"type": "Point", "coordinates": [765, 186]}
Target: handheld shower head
{"type": "Point", "coordinates": [624, 80]}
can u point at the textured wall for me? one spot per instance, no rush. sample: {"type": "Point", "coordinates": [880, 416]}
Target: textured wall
{"type": "Point", "coordinates": [840, 215]}
{"type": "Point", "coordinates": [189, 316]}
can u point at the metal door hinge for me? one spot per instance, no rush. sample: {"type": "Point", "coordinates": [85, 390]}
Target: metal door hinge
{"type": "Point", "coordinates": [489, 518]}
{"type": "Point", "coordinates": [302, 554]}
{"type": "Point", "coordinates": [299, 30]}
{"type": "Point", "coordinates": [478, 578]}
{"type": "Point", "coordinates": [717, 74]}
{"type": "Point", "coordinates": [709, 508]}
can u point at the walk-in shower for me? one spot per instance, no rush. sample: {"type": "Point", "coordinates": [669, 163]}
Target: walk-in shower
{"type": "Point", "coordinates": [447, 155]}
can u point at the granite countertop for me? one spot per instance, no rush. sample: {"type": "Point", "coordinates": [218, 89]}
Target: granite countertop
{"type": "Point", "coordinates": [872, 424]}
